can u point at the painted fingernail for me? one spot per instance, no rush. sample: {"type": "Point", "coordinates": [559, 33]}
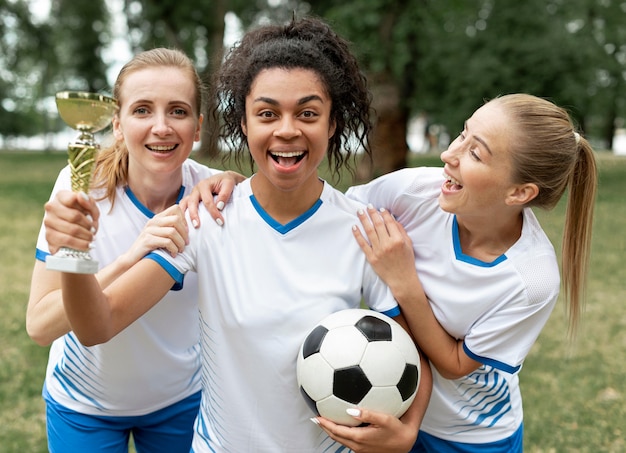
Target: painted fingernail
{"type": "Point", "coordinates": [194, 222]}
{"type": "Point", "coordinates": [220, 205]}
{"type": "Point", "coordinates": [353, 412]}
{"type": "Point", "coordinates": [315, 420]}
{"type": "Point", "coordinates": [360, 212]}
{"type": "Point", "coordinates": [370, 206]}
{"type": "Point", "coordinates": [219, 222]}
{"type": "Point", "coordinates": [84, 196]}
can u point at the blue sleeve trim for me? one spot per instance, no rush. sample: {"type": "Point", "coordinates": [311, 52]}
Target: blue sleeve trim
{"type": "Point", "coordinates": [393, 312]}
{"type": "Point", "coordinates": [491, 362]}
{"type": "Point", "coordinates": [41, 255]}
{"type": "Point", "coordinates": [178, 276]}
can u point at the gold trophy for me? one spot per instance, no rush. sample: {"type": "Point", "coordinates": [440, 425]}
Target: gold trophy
{"type": "Point", "coordinates": [88, 113]}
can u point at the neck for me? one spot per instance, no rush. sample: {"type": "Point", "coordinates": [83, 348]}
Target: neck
{"type": "Point", "coordinates": [486, 241]}
{"type": "Point", "coordinates": [156, 194]}
{"type": "Point", "coordinates": [285, 205]}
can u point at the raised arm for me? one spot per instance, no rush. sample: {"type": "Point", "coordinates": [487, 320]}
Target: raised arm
{"type": "Point", "coordinates": [45, 316]}
{"type": "Point", "coordinates": [390, 252]}
{"type": "Point", "coordinates": [96, 317]}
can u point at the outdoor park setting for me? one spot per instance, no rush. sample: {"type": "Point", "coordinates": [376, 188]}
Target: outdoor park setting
{"type": "Point", "coordinates": [429, 65]}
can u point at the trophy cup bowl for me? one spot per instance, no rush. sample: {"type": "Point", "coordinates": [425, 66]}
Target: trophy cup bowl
{"type": "Point", "coordinates": [87, 113]}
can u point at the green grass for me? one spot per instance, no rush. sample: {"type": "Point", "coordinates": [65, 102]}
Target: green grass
{"type": "Point", "coordinates": [574, 394]}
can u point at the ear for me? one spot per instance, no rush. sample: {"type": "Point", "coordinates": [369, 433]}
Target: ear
{"type": "Point", "coordinates": [196, 137]}
{"type": "Point", "coordinates": [522, 194]}
{"type": "Point", "coordinates": [117, 128]}
{"type": "Point", "coordinates": [332, 129]}
{"type": "Point", "coordinates": [243, 127]}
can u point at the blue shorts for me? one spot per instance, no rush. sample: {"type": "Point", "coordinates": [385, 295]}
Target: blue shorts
{"type": "Point", "coordinates": [431, 444]}
{"type": "Point", "coordinates": [168, 430]}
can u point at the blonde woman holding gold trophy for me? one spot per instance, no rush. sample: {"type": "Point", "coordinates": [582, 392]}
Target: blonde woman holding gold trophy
{"type": "Point", "coordinates": [144, 382]}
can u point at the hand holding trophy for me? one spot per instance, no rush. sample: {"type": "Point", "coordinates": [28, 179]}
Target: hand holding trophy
{"type": "Point", "coordinates": [88, 113]}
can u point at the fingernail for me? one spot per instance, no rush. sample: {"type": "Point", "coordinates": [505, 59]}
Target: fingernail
{"type": "Point", "coordinates": [315, 420]}
{"type": "Point", "coordinates": [194, 222]}
{"type": "Point", "coordinates": [370, 206]}
{"type": "Point", "coordinates": [219, 222]}
{"type": "Point", "coordinates": [353, 412]}
{"type": "Point", "coordinates": [89, 217]}
{"type": "Point", "coordinates": [360, 212]}
{"type": "Point", "coordinates": [220, 205]}
{"type": "Point", "coordinates": [84, 196]}
{"type": "Point", "coordinates": [382, 209]}
{"type": "Point", "coordinates": [93, 230]}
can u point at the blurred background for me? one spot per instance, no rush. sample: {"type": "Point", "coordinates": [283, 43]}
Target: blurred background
{"type": "Point", "coordinates": [430, 63]}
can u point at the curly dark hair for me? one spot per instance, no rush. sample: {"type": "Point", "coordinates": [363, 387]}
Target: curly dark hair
{"type": "Point", "coordinates": [306, 43]}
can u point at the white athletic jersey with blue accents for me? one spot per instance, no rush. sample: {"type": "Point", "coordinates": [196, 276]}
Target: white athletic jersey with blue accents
{"type": "Point", "coordinates": [153, 363]}
{"type": "Point", "coordinates": [263, 287]}
{"type": "Point", "coordinates": [498, 308]}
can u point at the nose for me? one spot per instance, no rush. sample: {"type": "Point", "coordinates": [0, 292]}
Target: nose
{"type": "Point", "coordinates": [161, 125]}
{"type": "Point", "coordinates": [287, 128]}
{"type": "Point", "coordinates": [451, 155]}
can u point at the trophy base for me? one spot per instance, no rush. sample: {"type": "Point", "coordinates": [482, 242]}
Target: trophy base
{"type": "Point", "coordinates": [72, 261]}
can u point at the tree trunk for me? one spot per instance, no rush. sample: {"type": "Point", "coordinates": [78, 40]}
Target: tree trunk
{"type": "Point", "coordinates": [388, 137]}
{"type": "Point", "coordinates": [209, 145]}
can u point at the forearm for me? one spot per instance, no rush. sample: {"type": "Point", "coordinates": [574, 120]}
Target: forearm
{"type": "Point", "coordinates": [444, 351]}
{"type": "Point", "coordinates": [87, 308]}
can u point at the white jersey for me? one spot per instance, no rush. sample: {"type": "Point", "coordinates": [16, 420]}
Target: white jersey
{"type": "Point", "coordinates": [263, 287]}
{"type": "Point", "coordinates": [153, 363]}
{"type": "Point", "coordinates": [497, 308]}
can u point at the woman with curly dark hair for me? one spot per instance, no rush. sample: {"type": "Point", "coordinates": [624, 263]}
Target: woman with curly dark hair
{"type": "Point", "coordinates": [293, 95]}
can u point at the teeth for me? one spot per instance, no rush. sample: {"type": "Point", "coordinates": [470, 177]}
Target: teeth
{"type": "Point", "coordinates": [162, 148]}
{"type": "Point", "coordinates": [451, 179]}
{"type": "Point", "coordinates": [291, 154]}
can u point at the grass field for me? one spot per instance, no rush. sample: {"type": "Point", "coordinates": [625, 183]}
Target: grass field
{"type": "Point", "coordinates": [574, 394]}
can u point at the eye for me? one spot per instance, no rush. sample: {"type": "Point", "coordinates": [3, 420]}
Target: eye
{"type": "Point", "coordinates": [266, 114]}
{"type": "Point", "coordinates": [473, 154]}
{"type": "Point", "coordinates": [309, 114]}
{"type": "Point", "coordinates": [179, 112]}
{"type": "Point", "coordinates": [141, 111]}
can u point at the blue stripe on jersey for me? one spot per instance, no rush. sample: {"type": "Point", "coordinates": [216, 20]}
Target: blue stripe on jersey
{"type": "Point", "coordinates": [392, 312]}
{"type": "Point", "coordinates": [426, 442]}
{"type": "Point", "coordinates": [486, 397]}
{"type": "Point", "coordinates": [178, 276]}
{"type": "Point", "coordinates": [284, 229]}
{"type": "Point", "coordinates": [148, 213]}
{"type": "Point", "coordinates": [41, 255]}
{"type": "Point", "coordinates": [491, 362]}
{"type": "Point", "coordinates": [466, 258]}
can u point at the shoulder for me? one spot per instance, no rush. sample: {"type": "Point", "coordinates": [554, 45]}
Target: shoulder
{"type": "Point", "coordinates": [193, 172]}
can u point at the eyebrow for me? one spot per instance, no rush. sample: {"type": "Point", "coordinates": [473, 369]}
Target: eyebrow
{"type": "Point", "coordinates": [304, 100]}
{"type": "Point", "coordinates": [484, 143]}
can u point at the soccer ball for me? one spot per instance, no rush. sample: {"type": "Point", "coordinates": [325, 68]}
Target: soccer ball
{"type": "Point", "coordinates": [358, 358]}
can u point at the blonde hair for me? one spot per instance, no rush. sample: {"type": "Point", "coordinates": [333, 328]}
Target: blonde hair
{"type": "Point", "coordinates": [111, 168]}
{"type": "Point", "coordinates": [550, 153]}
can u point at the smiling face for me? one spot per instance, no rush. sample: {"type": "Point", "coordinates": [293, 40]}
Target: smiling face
{"type": "Point", "coordinates": [287, 125]}
{"type": "Point", "coordinates": [158, 120]}
{"type": "Point", "coordinates": [478, 166]}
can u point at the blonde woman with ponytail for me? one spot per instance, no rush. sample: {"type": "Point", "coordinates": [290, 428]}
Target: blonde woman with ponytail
{"type": "Point", "coordinates": [145, 381]}
{"type": "Point", "coordinates": [468, 262]}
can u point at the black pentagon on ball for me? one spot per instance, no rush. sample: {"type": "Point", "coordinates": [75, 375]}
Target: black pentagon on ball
{"type": "Point", "coordinates": [351, 384]}
{"type": "Point", "coordinates": [309, 401]}
{"type": "Point", "coordinates": [408, 381]}
{"type": "Point", "coordinates": [313, 341]}
{"type": "Point", "coordinates": [374, 329]}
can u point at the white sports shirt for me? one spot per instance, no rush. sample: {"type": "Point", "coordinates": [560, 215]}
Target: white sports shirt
{"type": "Point", "coordinates": [263, 287]}
{"type": "Point", "coordinates": [498, 308]}
{"type": "Point", "coordinates": [153, 363]}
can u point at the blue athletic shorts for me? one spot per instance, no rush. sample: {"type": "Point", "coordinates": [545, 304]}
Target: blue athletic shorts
{"type": "Point", "coordinates": [431, 444]}
{"type": "Point", "coordinates": [168, 430]}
